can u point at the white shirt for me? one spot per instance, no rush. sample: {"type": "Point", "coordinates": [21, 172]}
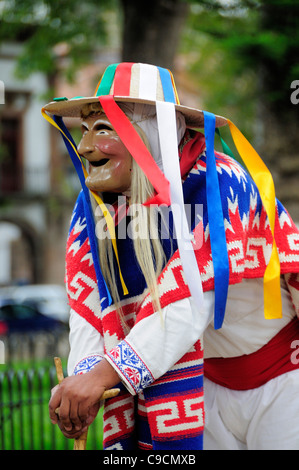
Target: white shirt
{"type": "Point", "coordinates": [160, 346]}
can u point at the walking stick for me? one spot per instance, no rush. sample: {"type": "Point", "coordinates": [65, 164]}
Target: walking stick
{"type": "Point", "coordinates": [80, 442]}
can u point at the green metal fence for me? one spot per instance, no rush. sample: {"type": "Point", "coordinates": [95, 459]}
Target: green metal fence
{"type": "Point", "coordinates": [25, 389]}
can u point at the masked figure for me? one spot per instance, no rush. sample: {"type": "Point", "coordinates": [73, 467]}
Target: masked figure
{"type": "Point", "coordinates": [179, 264]}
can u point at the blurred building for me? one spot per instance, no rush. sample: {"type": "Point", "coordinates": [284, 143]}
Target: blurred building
{"type": "Point", "coordinates": [37, 183]}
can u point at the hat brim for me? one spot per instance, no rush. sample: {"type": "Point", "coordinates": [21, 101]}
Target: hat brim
{"type": "Point", "coordinates": [72, 108]}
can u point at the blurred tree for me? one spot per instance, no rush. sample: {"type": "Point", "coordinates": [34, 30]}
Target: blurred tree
{"type": "Point", "coordinates": [44, 25]}
{"type": "Point", "coordinates": [277, 58]}
{"type": "Point", "coordinates": [245, 55]}
{"type": "Point", "coordinates": [151, 30]}
{"type": "Point", "coordinates": [244, 51]}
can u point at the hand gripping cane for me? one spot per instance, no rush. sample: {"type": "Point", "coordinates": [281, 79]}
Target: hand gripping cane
{"type": "Point", "coordinates": [80, 442]}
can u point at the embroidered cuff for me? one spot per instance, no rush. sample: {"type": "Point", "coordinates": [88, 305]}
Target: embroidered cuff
{"type": "Point", "coordinates": [132, 370]}
{"type": "Point", "coordinates": [87, 363]}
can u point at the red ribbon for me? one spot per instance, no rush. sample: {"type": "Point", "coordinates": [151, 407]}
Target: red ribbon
{"type": "Point", "coordinates": [122, 79]}
{"type": "Point", "coordinates": [137, 149]}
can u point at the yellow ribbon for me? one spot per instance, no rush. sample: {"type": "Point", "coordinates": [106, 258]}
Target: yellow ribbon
{"type": "Point", "coordinates": [174, 88]}
{"type": "Point", "coordinates": [106, 213]}
{"type": "Point", "coordinates": [263, 179]}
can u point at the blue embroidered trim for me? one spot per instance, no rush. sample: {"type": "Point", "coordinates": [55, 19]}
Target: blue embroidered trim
{"type": "Point", "coordinates": [131, 366]}
{"type": "Point", "coordinates": [86, 364]}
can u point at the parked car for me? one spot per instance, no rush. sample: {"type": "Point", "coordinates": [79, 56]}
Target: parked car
{"type": "Point", "coordinates": [49, 299]}
{"type": "Point", "coordinates": [21, 317]}
{"type": "Point", "coordinates": [3, 329]}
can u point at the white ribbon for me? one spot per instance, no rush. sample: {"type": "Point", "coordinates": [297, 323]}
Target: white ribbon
{"type": "Point", "coordinates": [170, 159]}
{"type": "Point", "coordinates": [148, 82]}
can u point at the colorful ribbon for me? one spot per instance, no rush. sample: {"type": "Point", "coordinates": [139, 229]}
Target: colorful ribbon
{"type": "Point", "coordinates": [169, 150]}
{"type": "Point", "coordinates": [263, 179]}
{"type": "Point", "coordinates": [148, 80]}
{"type": "Point", "coordinates": [122, 79]}
{"type": "Point", "coordinates": [168, 90]}
{"type": "Point", "coordinates": [216, 224]}
{"type": "Point", "coordinates": [106, 81]}
{"type": "Point", "coordinates": [225, 147]}
{"type": "Point", "coordinates": [120, 75]}
{"type": "Point", "coordinates": [133, 142]}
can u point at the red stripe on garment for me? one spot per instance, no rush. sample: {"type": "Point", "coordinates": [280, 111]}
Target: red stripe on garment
{"type": "Point", "coordinates": [254, 370]}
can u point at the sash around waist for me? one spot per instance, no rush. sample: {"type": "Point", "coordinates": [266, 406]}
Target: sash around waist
{"type": "Point", "coordinates": [253, 370]}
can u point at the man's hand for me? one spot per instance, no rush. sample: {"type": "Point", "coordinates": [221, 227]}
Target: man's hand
{"type": "Point", "coordinates": [78, 399]}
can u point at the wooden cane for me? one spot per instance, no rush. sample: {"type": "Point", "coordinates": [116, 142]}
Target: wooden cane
{"type": "Point", "coordinates": [80, 442]}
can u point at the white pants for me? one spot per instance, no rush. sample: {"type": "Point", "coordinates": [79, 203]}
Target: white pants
{"type": "Point", "coordinates": [265, 418]}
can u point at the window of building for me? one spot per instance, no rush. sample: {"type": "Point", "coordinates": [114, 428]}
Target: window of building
{"type": "Point", "coordinates": [11, 142]}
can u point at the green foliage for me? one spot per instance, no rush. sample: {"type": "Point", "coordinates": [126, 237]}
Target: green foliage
{"type": "Point", "coordinates": [43, 25]}
{"type": "Point", "coordinates": [212, 45]}
{"type": "Point", "coordinates": [241, 52]}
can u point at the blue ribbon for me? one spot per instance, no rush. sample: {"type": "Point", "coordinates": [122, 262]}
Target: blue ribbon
{"type": "Point", "coordinates": [105, 296]}
{"type": "Point", "coordinates": [216, 224]}
{"type": "Point", "coordinates": [167, 85]}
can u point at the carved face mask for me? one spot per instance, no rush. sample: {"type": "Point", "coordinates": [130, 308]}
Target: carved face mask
{"type": "Point", "coordinates": [110, 163]}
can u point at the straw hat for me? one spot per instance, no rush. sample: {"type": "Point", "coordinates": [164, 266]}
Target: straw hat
{"type": "Point", "coordinates": [132, 83]}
